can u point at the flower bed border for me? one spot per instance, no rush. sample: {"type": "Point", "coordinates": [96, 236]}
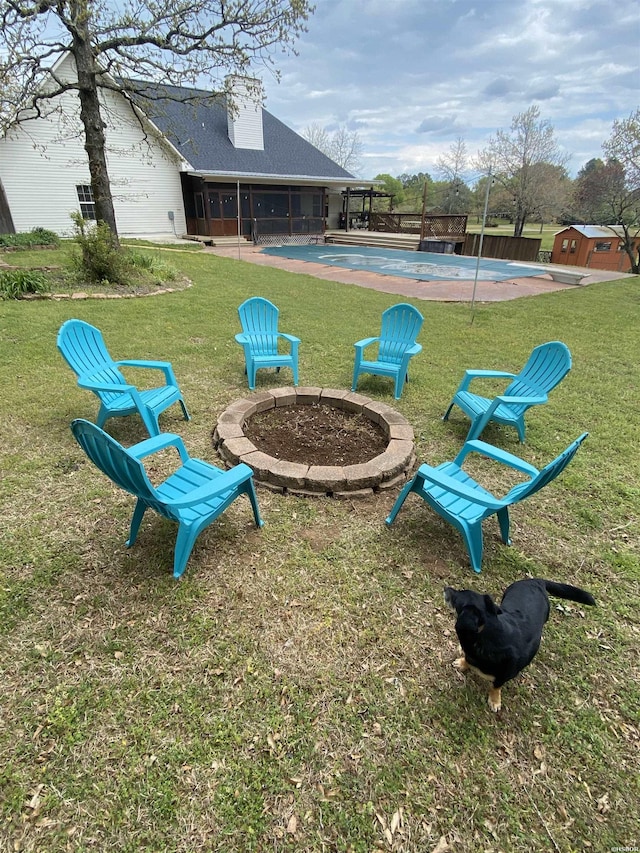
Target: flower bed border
{"type": "Point", "coordinates": [387, 470]}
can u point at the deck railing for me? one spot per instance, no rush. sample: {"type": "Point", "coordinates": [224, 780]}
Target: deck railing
{"type": "Point", "coordinates": [438, 227]}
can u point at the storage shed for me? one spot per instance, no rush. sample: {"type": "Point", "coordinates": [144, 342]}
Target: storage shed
{"type": "Point", "coordinates": [594, 246]}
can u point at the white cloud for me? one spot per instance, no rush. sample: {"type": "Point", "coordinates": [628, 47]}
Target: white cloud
{"type": "Point", "coordinates": [411, 76]}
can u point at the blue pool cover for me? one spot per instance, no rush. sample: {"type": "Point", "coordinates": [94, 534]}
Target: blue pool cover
{"type": "Point", "coordinates": [426, 266]}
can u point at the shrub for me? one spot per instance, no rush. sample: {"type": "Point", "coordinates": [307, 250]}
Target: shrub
{"type": "Point", "coordinates": [44, 237]}
{"type": "Point", "coordinates": [100, 259]}
{"type": "Point", "coordinates": [14, 284]}
{"type": "Point", "coordinates": [158, 269]}
{"type": "Point", "coordinates": [27, 240]}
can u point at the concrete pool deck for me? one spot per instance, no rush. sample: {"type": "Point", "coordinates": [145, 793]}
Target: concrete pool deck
{"type": "Point", "coordinates": [458, 290]}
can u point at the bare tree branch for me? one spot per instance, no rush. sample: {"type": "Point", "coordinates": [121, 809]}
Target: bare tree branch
{"type": "Point", "coordinates": [176, 44]}
{"type": "Point", "coordinates": [515, 157]}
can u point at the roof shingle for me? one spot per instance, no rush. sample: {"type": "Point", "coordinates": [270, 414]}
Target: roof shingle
{"type": "Point", "coordinates": [198, 130]}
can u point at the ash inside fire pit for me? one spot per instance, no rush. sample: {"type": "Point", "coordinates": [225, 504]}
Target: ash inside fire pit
{"type": "Point", "coordinates": [316, 435]}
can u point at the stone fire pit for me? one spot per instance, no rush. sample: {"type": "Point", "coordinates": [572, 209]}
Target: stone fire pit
{"type": "Point", "coordinates": [386, 470]}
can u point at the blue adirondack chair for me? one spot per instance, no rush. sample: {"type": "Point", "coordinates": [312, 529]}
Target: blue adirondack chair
{"type": "Point", "coordinates": [260, 338]}
{"type": "Point", "coordinates": [396, 346]}
{"type": "Point", "coordinates": [193, 496]}
{"type": "Point", "coordinates": [82, 347]}
{"type": "Point", "coordinates": [464, 503]}
{"type": "Point", "coordinates": [547, 365]}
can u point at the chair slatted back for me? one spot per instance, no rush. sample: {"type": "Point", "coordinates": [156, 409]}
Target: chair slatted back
{"type": "Point", "coordinates": [546, 474]}
{"type": "Point", "coordinates": [547, 365]}
{"type": "Point", "coordinates": [400, 327]}
{"type": "Point", "coordinates": [259, 320]}
{"type": "Point", "coordinates": [119, 466]}
{"type": "Point", "coordinates": [83, 348]}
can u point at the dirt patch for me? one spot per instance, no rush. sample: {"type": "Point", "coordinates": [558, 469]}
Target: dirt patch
{"type": "Point", "coordinates": [316, 434]}
{"type": "Point", "coordinates": [320, 441]}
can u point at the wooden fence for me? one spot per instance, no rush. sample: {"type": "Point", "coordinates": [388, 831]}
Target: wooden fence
{"type": "Point", "coordinates": [501, 246]}
{"type": "Point", "coordinates": [452, 228]}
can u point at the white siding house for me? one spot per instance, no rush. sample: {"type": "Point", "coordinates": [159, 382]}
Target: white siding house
{"type": "Point", "coordinates": [183, 167]}
{"type": "Point", "coordinates": [45, 172]}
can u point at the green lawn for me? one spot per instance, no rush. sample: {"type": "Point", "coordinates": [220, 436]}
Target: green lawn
{"type": "Point", "coordinates": [294, 691]}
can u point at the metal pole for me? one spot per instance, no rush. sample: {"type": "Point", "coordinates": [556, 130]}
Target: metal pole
{"type": "Point", "coordinates": [484, 219]}
{"type": "Point", "coordinates": [239, 219]}
{"type": "Point", "coordinates": [424, 211]}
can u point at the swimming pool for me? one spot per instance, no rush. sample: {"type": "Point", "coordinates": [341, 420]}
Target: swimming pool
{"type": "Point", "coordinates": [426, 266]}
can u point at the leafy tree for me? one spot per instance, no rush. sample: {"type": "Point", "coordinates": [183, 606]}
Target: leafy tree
{"type": "Point", "coordinates": [608, 192]}
{"type": "Point", "coordinates": [413, 186]}
{"type": "Point", "coordinates": [342, 146]}
{"type": "Point", "coordinates": [393, 186]}
{"type": "Point", "coordinates": [185, 42]}
{"type": "Point", "coordinates": [523, 160]}
{"type": "Point", "coordinates": [450, 197]}
{"type": "Point", "coordinates": [590, 189]}
{"type": "Point", "coordinates": [415, 182]}
{"type": "Point", "coordinates": [500, 202]}
{"type": "Point", "coordinates": [621, 192]}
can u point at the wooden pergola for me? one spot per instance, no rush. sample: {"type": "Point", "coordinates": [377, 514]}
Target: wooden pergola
{"type": "Point", "coordinates": [363, 216]}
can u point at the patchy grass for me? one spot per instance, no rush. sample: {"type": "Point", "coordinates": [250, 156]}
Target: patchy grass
{"type": "Point", "coordinates": [294, 691]}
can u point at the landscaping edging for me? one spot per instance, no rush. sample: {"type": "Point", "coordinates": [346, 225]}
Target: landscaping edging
{"type": "Point", "coordinates": [81, 294]}
{"type": "Point", "coordinates": [387, 470]}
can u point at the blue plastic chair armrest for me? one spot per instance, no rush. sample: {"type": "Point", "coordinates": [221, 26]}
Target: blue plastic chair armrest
{"type": "Point", "coordinates": [164, 366]}
{"type": "Point", "coordinates": [291, 338]}
{"type": "Point", "coordinates": [488, 450]}
{"type": "Point", "coordinates": [226, 482]}
{"type": "Point", "coordinates": [526, 401]}
{"type": "Point", "coordinates": [157, 443]}
{"type": "Point", "coordinates": [414, 349]}
{"type": "Point", "coordinates": [242, 338]}
{"type": "Point", "coordinates": [469, 375]}
{"type": "Point", "coordinates": [365, 342]}
{"type": "Point", "coordinates": [494, 373]}
{"type": "Point", "coordinates": [131, 390]}
{"type": "Point", "coordinates": [90, 385]}
{"type": "Point", "coordinates": [138, 362]}
{"type": "Point", "coordinates": [450, 484]}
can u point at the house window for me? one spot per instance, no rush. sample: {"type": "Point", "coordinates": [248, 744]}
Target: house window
{"type": "Point", "coordinates": [602, 247]}
{"type": "Point", "coordinates": [573, 247]}
{"type": "Point", "coordinates": [565, 243]}
{"type": "Point", "coordinates": [87, 204]}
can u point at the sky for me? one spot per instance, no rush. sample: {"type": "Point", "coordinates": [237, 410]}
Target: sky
{"type": "Point", "coordinates": [413, 76]}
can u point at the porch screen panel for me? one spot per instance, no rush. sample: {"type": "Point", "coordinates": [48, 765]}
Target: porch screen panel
{"type": "Point", "coordinates": [270, 205]}
{"type": "Point", "coordinates": [271, 209]}
{"type": "Point", "coordinates": [245, 212]}
{"type": "Point", "coordinates": [306, 210]}
{"type": "Point", "coordinates": [229, 205]}
{"type": "Point", "coordinates": [214, 206]}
